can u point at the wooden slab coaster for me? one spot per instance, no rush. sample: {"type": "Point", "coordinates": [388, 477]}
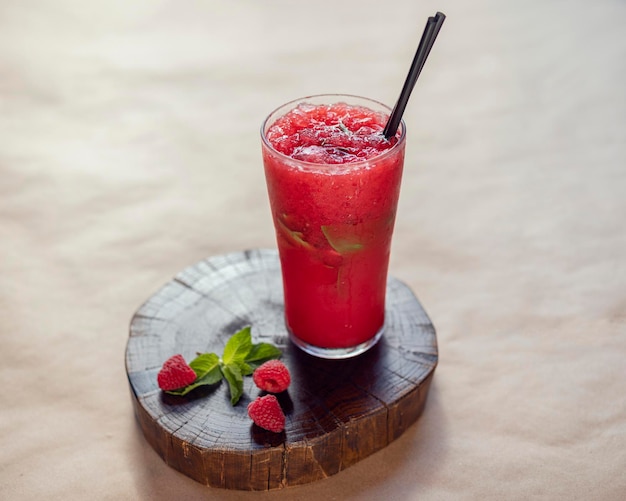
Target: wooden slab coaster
{"type": "Point", "coordinates": [338, 412]}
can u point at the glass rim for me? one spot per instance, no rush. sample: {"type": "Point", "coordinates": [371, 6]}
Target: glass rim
{"type": "Point", "coordinates": [313, 165]}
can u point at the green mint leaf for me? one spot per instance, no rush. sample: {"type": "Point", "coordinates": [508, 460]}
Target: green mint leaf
{"type": "Point", "coordinates": [260, 353]}
{"type": "Point", "coordinates": [245, 368]}
{"type": "Point", "coordinates": [238, 347]}
{"type": "Point", "coordinates": [342, 237]}
{"type": "Point", "coordinates": [240, 358]}
{"type": "Point", "coordinates": [233, 375]}
{"type": "Point", "coordinates": [204, 363]}
{"type": "Point", "coordinates": [211, 377]}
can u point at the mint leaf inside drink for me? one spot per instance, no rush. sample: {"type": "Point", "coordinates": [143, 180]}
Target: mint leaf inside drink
{"type": "Point", "coordinates": [294, 237]}
{"type": "Point", "coordinates": [343, 237]}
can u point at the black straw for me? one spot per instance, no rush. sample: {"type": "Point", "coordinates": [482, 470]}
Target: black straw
{"type": "Point", "coordinates": [433, 25]}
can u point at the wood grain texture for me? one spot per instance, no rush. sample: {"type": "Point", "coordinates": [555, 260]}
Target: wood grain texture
{"type": "Point", "coordinates": [338, 412]}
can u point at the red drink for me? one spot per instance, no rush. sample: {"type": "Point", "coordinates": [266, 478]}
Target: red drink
{"type": "Point", "coordinates": [333, 183]}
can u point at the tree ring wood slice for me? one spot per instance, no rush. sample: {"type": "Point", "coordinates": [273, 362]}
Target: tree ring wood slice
{"type": "Point", "coordinates": [338, 411]}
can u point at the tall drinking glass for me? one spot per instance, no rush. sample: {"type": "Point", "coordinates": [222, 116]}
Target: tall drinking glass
{"type": "Point", "coordinates": [333, 182]}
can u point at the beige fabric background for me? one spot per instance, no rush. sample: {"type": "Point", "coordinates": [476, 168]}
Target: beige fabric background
{"type": "Point", "coordinates": [129, 149]}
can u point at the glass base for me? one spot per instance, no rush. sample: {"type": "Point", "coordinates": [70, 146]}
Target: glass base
{"type": "Point", "coordinates": [336, 353]}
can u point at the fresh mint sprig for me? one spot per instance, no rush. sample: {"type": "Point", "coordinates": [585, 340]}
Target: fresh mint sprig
{"type": "Point", "coordinates": [239, 359]}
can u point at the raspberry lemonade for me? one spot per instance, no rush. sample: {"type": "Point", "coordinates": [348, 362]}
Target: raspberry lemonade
{"type": "Point", "coordinates": [333, 182]}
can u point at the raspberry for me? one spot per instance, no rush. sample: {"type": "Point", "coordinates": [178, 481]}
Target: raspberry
{"type": "Point", "coordinates": [175, 374]}
{"type": "Point", "coordinates": [273, 376]}
{"type": "Point", "coordinates": [266, 413]}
